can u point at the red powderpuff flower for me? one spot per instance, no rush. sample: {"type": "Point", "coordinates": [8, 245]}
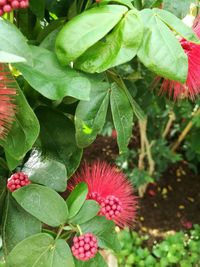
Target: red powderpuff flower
{"type": "Point", "coordinates": [7, 107]}
{"type": "Point", "coordinates": [111, 189]}
{"type": "Point", "coordinates": [192, 86]}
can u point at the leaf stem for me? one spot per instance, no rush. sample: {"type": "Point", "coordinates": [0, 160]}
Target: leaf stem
{"type": "Point", "coordinates": [79, 229]}
{"type": "Point", "coordinates": [59, 231]}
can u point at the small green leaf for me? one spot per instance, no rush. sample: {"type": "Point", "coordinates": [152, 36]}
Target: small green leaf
{"type": "Point", "coordinates": [41, 251]}
{"type": "Point", "coordinates": [13, 45]}
{"type": "Point", "coordinates": [161, 51]}
{"type": "Point", "coordinates": [105, 232]}
{"type": "Point", "coordinates": [123, 2]}
{"type": "Point", "coordinates": [88, 211]}
{"type": "Point", "coordinates": [52, 80]}
{"type": "Point", "coordinates": [46, 171]}
{"type": "Point", "coordinates": [38, 10]}
{"type": "Point", "coordinates": [17, 225]}
{"type": "Point", "coordinates": [108, 52]}
{"type": "Point", "coordinates": [77, 198]}
{"type": "Point", "coordinates": [43, 203]}
{"type": "Point", "coordinates": [90, 115]}
{"type": "Point", "coordinates": [122, 116]}
{"type": "Point", "coordinates": [94, 24]}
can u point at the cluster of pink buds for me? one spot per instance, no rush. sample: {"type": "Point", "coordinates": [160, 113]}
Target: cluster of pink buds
{"type": "Point", "coordinates": [17, 180]}
{"type": "Point", "coordinates": [6, 6]}
{"type": "Point", "coordinates": [85, 247]}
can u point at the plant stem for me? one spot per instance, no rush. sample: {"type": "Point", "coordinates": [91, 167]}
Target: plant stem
{"type": "Point", "coordinates": [59, 232]}
{"type": "Point", "coordinates": [138, 4]}
{"type": "Point", "coordinates": [185, 132]}
{"type": "Point", "coordinates": [172, 118]}
{"type": "Point", "coordinates": [79, 229]}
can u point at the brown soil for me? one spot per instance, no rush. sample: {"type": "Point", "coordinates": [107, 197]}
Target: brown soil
{"type": "Point", "coordinates": [170, 205]}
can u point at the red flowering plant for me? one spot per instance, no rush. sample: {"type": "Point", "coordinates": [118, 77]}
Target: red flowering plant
{"type": "Point", "coordinates": [61, 73]}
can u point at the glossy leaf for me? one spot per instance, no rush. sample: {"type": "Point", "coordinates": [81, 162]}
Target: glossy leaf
{"type": "Point", "coordinates": [46, 171]}
{"type": "Point", "coordinates": [43, 203]}
{"type": "Point", "coordinates": [161, 51]}
{"type": "Point", "coordinates": [94, 24]}
{"type": "Point", "coordinates": [23, 133]}
{"type": "Point", "coordinates": [52, 80]}
{"type": "Point", "coordinates": [42, 251]}
{"type": "Point", "coordinates": [76, 199]}
{"type": "Point", "coordinates": [90, 115]}
{"type": "Point", "coordinates": [88, 211]}
{"type": "Point", "coordinates": [122, 116]}
{"type": "Point", "coordinates": [104, 230]}
{"type": "Point", "coordinates": [17, 225]}
{"type": "Point", "coordinates": [13, 45]}
{"type": "Point", "coordinates": [120, 46]}
{"type": "Point", "coordinates": [57, 138]}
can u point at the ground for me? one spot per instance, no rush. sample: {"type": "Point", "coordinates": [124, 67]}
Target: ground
{"type": "Point", "coordinates": [172, 204]}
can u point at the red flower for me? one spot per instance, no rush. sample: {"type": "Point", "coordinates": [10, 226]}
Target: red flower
{"type": "Point", "coordinates": [111, 189]}
{"type": "Point", "coordinates": [192, 86]}
{"type": "Point", "coordinates": [7, 108]}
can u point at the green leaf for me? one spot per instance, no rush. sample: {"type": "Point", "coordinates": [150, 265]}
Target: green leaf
{"type": "Point", "coordinates": [94, 24]}
{"type": "Point", "coordinates": [17, 225]}
{"type": "Point", "coordinates": [43, 203]}
{"type": "Point", "coordinates": [13, 46]}
{"type": "Point", "coordinates": [123, 2]}
{"type": "Point", "coordinates": [120, 46]}
{"type": "Point", "coordinates": [161, 51]}
{"type": "Point", "coordinates": [90, 115]}
{"type": "Point", "coordinates": [88, 211]}
{"type": "Point", "coordinates": [104, 230]}
{"type": "Point", "coordinates": [41, 251]}
{"type": "Point", "coordinates": [97, 261]}
{"type": "Point", "coordinates": [57, 138]}
{"type": "Point", "coordinates": [122, 116]}
{"type": "Point", "coordinates": [38, 10]}
{"type": "Point", "coordinates": [77, 198]}
{"type": "Point", "coordinates": [24, 131]}
{"type": "Point", "coordinates": [46, 171]}
{"type": "Point", "coordinates": [176, 25]}
{"type": "Point", "coordinates": [52, 80]}
{"type": "Point", "coordinates": [179, 8]}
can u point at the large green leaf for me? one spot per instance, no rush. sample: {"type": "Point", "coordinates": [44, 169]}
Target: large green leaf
{"type": "Point", "coordinates": [97, 261]}
{"type": "Point", "coordinates": [176, 25]}
{"type": "Point", "coordinates": [161, 51]}
{"type": "Point", "coordinates": [90, 115]}
{"type": "Point", "coordinates": [13, 46]}
{"type": "Point", "coordinates": [179, 8]}
{"type": "Point", "coordinates": [94, 24]}
{"type": "Point", "coordinates": [24, 131]}
{"type": "Point", "coordinates": [77, 198]}
{"type": "Point", "coordinates": [52, 80]}
{"type": "Point", "coordinates": [88, 211]}
{"type": "Point", "coordinates": [17, 225]}
{"type": "Point", "coordinates": [57, 138]}
{"type": "Point", "coordinates": [41, 251]}
{"type": "Point", "coordinates": [43, 203]}
{"type": "Point", "coordinates": [122, 116]}
{"type": "Point", "coordinates": [104, 230]}
{"type": "Point", "coordinates": [43, 170]}
{"type": "Point", "coordinates": [120, 46]}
